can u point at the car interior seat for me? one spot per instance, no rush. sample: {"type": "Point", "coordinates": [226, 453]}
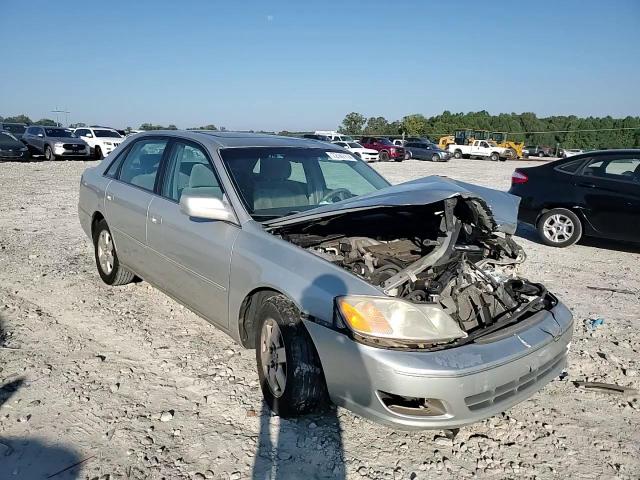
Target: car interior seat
{"type": "Point", "coordinates": [202, 181]}
{"type": "Point", "coordinates": [273, 189]}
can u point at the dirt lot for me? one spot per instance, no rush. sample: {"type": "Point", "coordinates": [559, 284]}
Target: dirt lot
{"type": "Point", "coordinates": [132, 385]}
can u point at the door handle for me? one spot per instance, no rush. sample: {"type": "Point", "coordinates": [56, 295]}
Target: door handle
{"type": "Point", "coordinates": [109, 197]}
{"type": "Point", "coordinates": [156, 219]}
{"type": "Point", "coordinates": [588, 185]}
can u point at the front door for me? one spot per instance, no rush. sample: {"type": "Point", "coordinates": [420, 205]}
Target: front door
{"type": "Point", "coordinates": [610, 188]}
{"type": "Point", "coordinates": [191, 257]}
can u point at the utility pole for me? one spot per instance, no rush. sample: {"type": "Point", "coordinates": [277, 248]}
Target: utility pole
{"type": "Point", "coordinates": [58, 111]}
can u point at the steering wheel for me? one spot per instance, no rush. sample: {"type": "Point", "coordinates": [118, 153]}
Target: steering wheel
{"type": "Point", "coordinates": [339, 193]}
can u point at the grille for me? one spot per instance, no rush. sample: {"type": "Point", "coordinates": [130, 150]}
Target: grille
{"type": "Point", "coordinates": [73, 146]}
{"type": "Point", "coordinates": [506, 390]}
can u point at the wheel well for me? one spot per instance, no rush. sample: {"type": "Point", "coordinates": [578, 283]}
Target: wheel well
{"type": "Point", "coordinates": [97, 216]}
{"type": "Point", "coordinates": [248, 317]}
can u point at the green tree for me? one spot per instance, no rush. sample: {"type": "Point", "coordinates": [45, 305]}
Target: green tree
{"type": "Point", "coordinates": [46, 122]}
{"type": "Point", "coordinates": [415, 125]}
{"type": "Point", "coordinates": [19, 119]}
{"type": "Point", "coordinates": [377, 126]}
{"type": "Point", "coordinates": [352, 124]}
{"type": "Point", "coordinates": [211, 126]}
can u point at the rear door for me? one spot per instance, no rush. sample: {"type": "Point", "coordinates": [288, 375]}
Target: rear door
{"type": "Point", "coordinates": [190, 257]}
{"type": "Point", "coordinates": [610, 188]}
{"type": "Point", "coordinates": [127, 199]}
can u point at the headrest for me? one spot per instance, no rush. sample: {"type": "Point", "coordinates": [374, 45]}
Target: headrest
{"type": "Point", "coordinates": [274, 169]}
{"type": "Point", "coordinates": [202, 176]}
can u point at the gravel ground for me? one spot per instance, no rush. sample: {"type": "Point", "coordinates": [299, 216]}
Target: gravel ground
{"type": "Point", "coordinates": [132, 385]}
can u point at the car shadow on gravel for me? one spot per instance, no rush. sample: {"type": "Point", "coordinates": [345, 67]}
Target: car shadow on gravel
{"type": "Point", "coordinates": [310, 447]}
{"type": "Point", "coordinates": [25, 457]}
{"type": "Point", "coordinates": [528, 232]}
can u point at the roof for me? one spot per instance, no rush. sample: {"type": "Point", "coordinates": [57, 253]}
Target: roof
{"type": "Point", "coordinates": [239, 139]}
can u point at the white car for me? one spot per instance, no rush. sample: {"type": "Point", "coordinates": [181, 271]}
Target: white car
{"type": "Point", "coordinates": [102, 141]}
{"type": "Point", "coordinates": [335, 136]}
{"type": "Point", "coordinates": [366, 154]}
{"type": "Point", "coordinates": [570, 152]}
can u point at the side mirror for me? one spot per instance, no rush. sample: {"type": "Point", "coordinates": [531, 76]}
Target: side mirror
{"type": "Point", "coordinates": [89, 135]}
{"type": "Point", "coordinates": [41, 135]}
{"type": "Point", "coordinates": [207, 208]}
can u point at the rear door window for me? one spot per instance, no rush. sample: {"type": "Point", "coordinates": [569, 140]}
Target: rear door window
{"type": "Point", "coordinates": [140, 167]}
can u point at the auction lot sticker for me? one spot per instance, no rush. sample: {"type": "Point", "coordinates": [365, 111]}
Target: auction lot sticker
{"type": "Point", "coordinates": [340, 156]}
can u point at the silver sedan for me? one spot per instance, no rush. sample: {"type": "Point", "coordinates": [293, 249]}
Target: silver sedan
{"type": "Point", "coordinates": [401, 303]}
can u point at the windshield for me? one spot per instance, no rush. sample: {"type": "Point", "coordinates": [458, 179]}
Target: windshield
{"type": "Point", "coordinates": [14, 128]}
{"type": "Point", "coordinates": [385, 141]}
{"type": "Point", "coordinates": [6, 137]}
{"type": "Point", "coordinates": [277, 181]}
{"type": "Point", "coordinates": [107, 134]}
{"type": "Point", "coordinates": [59, 133]}
{"type": "Point", "coordinates": [346, 138]}
{"type": "Point", "coordinates": [355, 145]}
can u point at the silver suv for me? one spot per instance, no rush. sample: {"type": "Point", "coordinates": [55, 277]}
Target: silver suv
{"type": "Point", "coordinates": [54, 143]}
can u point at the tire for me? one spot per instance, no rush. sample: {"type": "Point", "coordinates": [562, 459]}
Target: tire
{"type": "Point", "coordinates": [48, 154]}
{"type": "Point", "coordinates": [301, 387]}
{"type": "Point", "coordinates": [435, 157]}
{"type": "Point", "coordinates": [384, 156]}
{"type": "Point", "coordinates": [116, 275]}
{"type": "Point", "coordinates": [98, 153]}
{"type": "Point", "coordinates": [457, 154]}
{"type": "Point", "coordinates": [494, 157]}
{"type": "Point", "coordinates": [559, 227]}
{"type": "Point", "coordinates": [541, 154]}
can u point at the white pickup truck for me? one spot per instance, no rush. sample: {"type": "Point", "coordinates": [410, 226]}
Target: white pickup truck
{"type": "Point", "coordinates": [480, 148]}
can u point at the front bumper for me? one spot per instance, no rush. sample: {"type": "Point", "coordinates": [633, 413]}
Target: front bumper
{"type": "Point", "coordinates": [14, 154]}
{"type": "Point", "coordinates": [471, 382]}
{"type": "Point", "coordinates": [63, 152]}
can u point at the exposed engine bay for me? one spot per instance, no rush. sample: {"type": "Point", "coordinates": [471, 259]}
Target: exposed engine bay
{"type": "Point", "coordinates": [447, 254]}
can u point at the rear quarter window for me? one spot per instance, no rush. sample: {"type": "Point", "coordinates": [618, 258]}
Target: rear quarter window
{"type": "Point", "coordinates": [570, 167]}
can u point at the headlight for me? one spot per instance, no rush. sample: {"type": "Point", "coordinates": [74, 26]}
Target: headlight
{"type": "Point", "coordinates": [58, 144]}
{"type": "Point", "coordinates": [24, 149]}
{"type": "Point", "coordinates": [397, 319]}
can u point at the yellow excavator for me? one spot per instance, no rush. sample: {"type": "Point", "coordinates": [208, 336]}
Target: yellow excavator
{"type": "Point", "coordinates": [502, 140]}
{"type": "Point", "coordinates": [468, 136]}
{"type": "Point", "coordinates": [462, 137]}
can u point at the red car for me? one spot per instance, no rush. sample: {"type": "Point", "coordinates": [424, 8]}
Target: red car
{"type": "Point", "coordinates": [388, 151]}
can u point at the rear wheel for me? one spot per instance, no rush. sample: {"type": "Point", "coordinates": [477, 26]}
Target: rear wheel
{"type": "Point", "coordinates": [559, 227]}
{"type": "Point", "coordinates": [457, 154]}
{"type": "Point", "coordinates": [289, 369]}
{"type": "Point", "coordinates": [48, 154]}
{"type": "Point", "coordinates": [109, 268]}
{"type": "Point", "coordinates": [435, 157]}
{"type": "Point", "coordinates": [384, 156]}
{"type": "Point", "coordinates": [494, 157]}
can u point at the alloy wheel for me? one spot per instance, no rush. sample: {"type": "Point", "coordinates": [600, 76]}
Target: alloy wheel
{"type": "Point", "coordinates": [273, 357]}
{"type": "Point", "coordinates": [105, 252]}
{"type": "Point", "coordinates": [558, 228]}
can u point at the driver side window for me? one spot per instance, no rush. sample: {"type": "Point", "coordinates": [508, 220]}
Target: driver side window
{"type": "Point", "coordinates": [335, 173]}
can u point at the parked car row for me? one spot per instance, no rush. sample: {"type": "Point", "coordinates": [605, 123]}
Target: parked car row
{"type": "Point", "coordinates": [57, 142]}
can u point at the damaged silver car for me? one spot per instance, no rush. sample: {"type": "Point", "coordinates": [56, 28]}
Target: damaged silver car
{"type": "Point", "coordinates": [402, 303]}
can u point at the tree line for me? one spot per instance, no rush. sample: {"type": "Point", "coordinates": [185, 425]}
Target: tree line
{"type": "Point", "coordinates": [568, 131]}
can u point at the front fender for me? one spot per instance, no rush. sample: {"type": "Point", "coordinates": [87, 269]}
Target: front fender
{"type": "Point", "coordinates": [261, 260]}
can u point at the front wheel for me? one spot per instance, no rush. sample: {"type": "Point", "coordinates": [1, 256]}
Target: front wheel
{"type": "Point", "coordinates": [435, 157]}
{"type": "Point", "coordinates": [559, 227]}
{"type": "Point", "coordinates": [109, 268]}
{"type": "Point", "coordinates": [48, 154]}
{"type": "Point", "coordinates": [494, 157]}
{"type": "Point", "coordinates": [384, 156]}
{"type": "Point", "coordinates": [457, 154]}
{"type": "Point", "coordinates": [98, 153]}
{"type": "Point", "coordinates": [289, 369]}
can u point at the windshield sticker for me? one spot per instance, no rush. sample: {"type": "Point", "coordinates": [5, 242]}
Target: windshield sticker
{"type": "Point", "coordinates": [340, 156]}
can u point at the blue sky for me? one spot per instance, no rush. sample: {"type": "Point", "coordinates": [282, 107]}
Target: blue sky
{"type": "Point", "coordinates": [303, 65]}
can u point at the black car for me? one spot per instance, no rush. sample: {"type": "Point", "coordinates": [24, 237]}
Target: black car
{"type": "Point", "coordinates": [15, 129]}
{"type": "Point", "coordinates": [537, 151]}
{"type": "Point", "coordinates": [421, 150]}
{"type": "Point", "coordinates": [596, 194]}
{"type": "Point", "coordinates": [11, 148]}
